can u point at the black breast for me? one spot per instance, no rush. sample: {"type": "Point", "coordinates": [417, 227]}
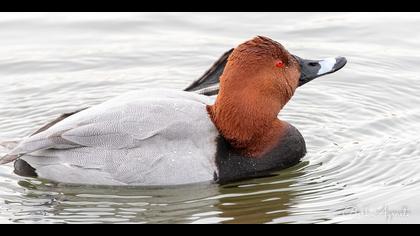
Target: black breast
{"type": "Point", "coordinates": [233, 166]}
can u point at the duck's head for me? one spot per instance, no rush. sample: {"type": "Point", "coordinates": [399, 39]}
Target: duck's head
{"type": "Point", "coordinates": [262, 65]}
{"type": "Point", "coordinates": [260, 77]}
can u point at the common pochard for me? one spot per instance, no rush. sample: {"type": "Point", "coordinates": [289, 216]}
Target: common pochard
{"type": "Point", "coordinates": [224, 132]}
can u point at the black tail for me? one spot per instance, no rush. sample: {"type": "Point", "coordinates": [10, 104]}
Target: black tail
{"type": "Point", "coordinates": [22, 168]}
{"type": "Point", "coordinates": [211, 77]}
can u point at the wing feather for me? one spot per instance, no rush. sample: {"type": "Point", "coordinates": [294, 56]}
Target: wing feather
{"type": "Point", "coordinates": [134, 138]}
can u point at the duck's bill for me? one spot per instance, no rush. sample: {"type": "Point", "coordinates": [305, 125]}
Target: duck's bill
{"type": "Point", "coordinates": [311, 69]}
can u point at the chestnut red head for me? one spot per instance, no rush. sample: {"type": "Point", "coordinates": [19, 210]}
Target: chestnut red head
{"type": "Point", "coordinates": [259, 78]}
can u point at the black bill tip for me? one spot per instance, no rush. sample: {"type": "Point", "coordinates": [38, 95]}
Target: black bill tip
{"type": "Point", "coordinates": [341, 62]}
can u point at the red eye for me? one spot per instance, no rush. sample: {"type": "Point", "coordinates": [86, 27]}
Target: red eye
{"type": "Point", "coordinates": [279, 64]}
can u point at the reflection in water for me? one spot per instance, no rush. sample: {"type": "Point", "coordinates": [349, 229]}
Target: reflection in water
{"type": "Point", "coordinates": [259, 200]}
{"type": "Point", "coordinates": [89, 204]}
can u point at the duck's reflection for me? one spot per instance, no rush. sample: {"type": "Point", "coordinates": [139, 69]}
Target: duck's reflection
{"type": "Point", "coordinates": [261, 200]}
{"type": "Point", "coordinates": [253, 201]}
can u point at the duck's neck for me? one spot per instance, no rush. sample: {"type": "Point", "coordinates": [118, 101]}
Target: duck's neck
{"type": "Point", "coordinates": [250, 125]}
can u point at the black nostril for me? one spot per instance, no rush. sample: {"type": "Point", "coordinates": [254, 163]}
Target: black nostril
{"type": "Point", "coordinates": [312, 63]}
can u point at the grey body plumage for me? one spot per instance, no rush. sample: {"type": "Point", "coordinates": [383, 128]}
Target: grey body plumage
{"type": "Point", "coordinates": [146, 137]}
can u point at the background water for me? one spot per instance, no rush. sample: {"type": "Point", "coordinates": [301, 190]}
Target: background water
{"type": "Point", "coordinates": [361, 124]}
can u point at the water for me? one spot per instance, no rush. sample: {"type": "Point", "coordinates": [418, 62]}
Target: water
{"type": "Point", "coordinates": [361, 124]}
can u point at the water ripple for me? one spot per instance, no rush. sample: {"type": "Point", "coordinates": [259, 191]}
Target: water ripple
{"type": "Point", "coordinates": [360, 125]}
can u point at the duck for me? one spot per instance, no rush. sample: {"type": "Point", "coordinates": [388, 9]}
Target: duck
{"type": "Point", "coordinates": [224, 127]}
